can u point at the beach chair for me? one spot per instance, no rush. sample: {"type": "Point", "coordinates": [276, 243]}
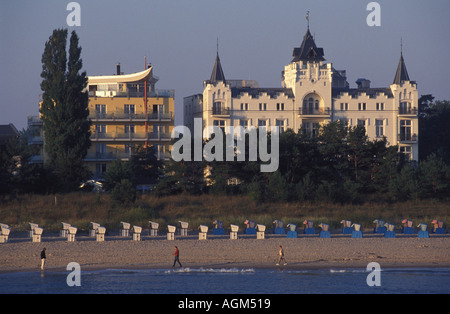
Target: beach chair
{"type": "Point", "coordinates": [31, 227]}
{"type": "Point", "coordinates": [346, 227]}
{"type": "Point", "coordinates": [202, 235]}
{"type": "Point", "coordinates": [325, 233]}
{"type": "Point", "coordinates": [183, 227]}
{"type": "Point", "coordinates": [379, 226]}
{"type": "Point", "coordinates": [234, 231]}
{"type": "Point", "coordinates": [218, 228]}
{"type": "Point", "coordinates": [100, 234]}
{"type": "Point", "coordinates": [309, 227]}
{"type": "Point", "coordinates": [71, 232]}
{"type": "Point", "coordinates": [171, 232]}
{"type": "Point", "coordinates": [438, 227]}
{"type": "Point", "coordinates": [261, 229]}
{"type": "Point", "coordinates": [137, 230]}
{"type": "Point", "coordinates": [356, 233]}
{"type": "Point", "coordinates": [423, 233]}
{"type": "Point", "coordinates": [407, 226]}
{"type": "Point", "coordinates": [292, 231]}
{"type": "Point", "coordinates": [249, 227]}
{"type": "Point", "coordinates": [5, 230]}
{"type": "Point", "coordinates": [37, 234]}
{"type": "Point", "coordinates": [125, 229]}
{"type": "Point", "coordinates": [64, 230]}
{"type": "Point", "coordinates": [390, 233]}
{"type": "Point", "coordinates": [93, 229]}
{"type": "Point", "coordinates": [153, 228]}
{"type": "Point", "coordinates": [278, 227]}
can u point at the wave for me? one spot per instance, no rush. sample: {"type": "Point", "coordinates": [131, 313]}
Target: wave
{"type": "Point", "coordinates": [209, 270]}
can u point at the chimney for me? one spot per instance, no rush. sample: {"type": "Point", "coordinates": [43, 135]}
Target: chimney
{"type": "Point", "coordinates": [118, 68]}
{"type": "Point", "coordinates": [363, 83]}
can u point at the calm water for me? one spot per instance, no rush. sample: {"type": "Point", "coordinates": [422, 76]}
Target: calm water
{"type": "Point", "coordinates": [229, 281]}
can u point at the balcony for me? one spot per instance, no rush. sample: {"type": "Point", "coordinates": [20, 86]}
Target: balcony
{"type": "Point", "coordinates": [221, 111]}
{"type": "Point", "coordinates": [128, 117]}
{"type": "Point", "coordinates": [130, 137]}
{"type": "Point", "coordinates": [159, 93]}
{"type": "Point", "coordinates": [407, 111]}
{"type": "Point", "coordinates": [314, 113]}
{"type": "Point", "coordinates": [407, 138]}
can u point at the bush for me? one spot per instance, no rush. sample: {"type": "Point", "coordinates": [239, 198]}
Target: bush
{"type": "Point", "coordinates": [124, 192]}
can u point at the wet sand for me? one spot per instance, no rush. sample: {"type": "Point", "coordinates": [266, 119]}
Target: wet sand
{"type": "Point", "coordinates": [305, 252]}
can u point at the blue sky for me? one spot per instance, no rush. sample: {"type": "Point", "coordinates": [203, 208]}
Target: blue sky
{"type": "Point", "coordinates": [256, 38]}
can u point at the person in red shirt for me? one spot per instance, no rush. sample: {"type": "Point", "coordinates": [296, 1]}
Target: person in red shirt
{"type": "Point", "coordinates": [177, 257]}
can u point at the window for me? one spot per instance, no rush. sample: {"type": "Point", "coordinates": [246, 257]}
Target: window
{"type": "Point", "coordinates": [100, 149]}
{"type": "Point", "coordinates": [244, 107]}
{"type": "Point", "coordinates": [280, 107]}
{"type": "Point", "coordinates": [245, 123]}
{"type": "Point", "coordinates": [100, 110]}
{"type": "Point", "coordinates": [405, 130]}
{"type": "Point", "coordinates": [100, 128]}
{"type": "Point", "coordinates": [407, 151]}
{"type": "Point", "coordinates": [100, 169]}
{"type": "Point", "coordinates": [128, 149]}
{"type": "Point", "coordinates": [405, 108]}
{"type": "Point", "coordinates": [129, 128]}
{"type": "Point", "coordinates": [361, 122]}
{"type": "Point", "coordinates": [361, 106]}
{"type": "Point", "coordinates": [129, 109]}
{"type": "Point", "coordinates": [262, 107]}
{"type": "Point", "coordinates": [280, 124]}
{"type": "Point", "coordinates": [380, 106]}
{"type": "Point", "coordinates": [379, 129]}
{"type": "Point", "coordinates": [220, 124]}
{"type": "Point", "coordinates": [262, 123]}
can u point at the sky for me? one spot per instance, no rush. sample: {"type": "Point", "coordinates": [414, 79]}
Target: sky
{"type": "Point", "coordinates": [256, 40]}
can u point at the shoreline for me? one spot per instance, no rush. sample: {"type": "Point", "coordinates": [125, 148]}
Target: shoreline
{"type": "Point", "coordinates": [219, 252]}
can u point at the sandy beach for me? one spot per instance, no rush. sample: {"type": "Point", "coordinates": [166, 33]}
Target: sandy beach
{"type": "Point", "coordinates": [308, 252]}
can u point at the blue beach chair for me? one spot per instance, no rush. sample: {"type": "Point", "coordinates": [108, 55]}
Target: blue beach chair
{"type": "Point", "coordinates": [218, 228]}
{"type": "Point", "coordinates": [309, 227]}
{"type": "Point", "coordinates": [438, 227]}
{"type": "Point", "coordinates": [390, 233]}
{"type": "Point", "coordinates": [346, 227]}
{"type": "Point", "coordinates": [324, 233]}
{"type": "Point", "coordinates": [292, 233]}
{"type": "Point", "coordinates": [356, 233]}
{"type": "Point", "coordinates": [250, 227]}
{"type": "Point", "coordinates": [423, 233]}
{"type": "Point", "coordinates": [278, 227]}
{"type": "Point", "coordinates": [407, 226]}
{"type": "Point", "coordinates": [379, 226]}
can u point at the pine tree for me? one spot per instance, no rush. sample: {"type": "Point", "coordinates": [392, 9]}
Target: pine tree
{"type": "Point", "coordinates": [64, 109]}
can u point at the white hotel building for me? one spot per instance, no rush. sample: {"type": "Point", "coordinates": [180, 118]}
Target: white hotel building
{"type": "Point", "coordinates": [312, 93]}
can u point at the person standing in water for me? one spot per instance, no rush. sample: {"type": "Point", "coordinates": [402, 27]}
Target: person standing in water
{"type": "Point", "coordinates": [177, 257]}
{"type": "Point", "coordinates": [281, 256]}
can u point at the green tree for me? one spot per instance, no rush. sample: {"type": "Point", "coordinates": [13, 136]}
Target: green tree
{"type": "Point", "coordinates": [64, 109]}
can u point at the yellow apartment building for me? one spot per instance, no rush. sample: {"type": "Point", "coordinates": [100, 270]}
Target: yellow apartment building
{"type": "Point", "coordinates": [126, 112]}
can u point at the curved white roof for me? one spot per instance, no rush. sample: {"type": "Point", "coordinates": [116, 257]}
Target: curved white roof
{"type": "Point", "coordinates": [105, 79]}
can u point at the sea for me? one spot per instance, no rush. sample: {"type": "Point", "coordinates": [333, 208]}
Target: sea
{"type": "Point", "coordinates": [229, 281]}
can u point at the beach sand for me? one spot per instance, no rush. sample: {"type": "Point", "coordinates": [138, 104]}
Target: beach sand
{"type": "Point", "coordinates": [305, 252]}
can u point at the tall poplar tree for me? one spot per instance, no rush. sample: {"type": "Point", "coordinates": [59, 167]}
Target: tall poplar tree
{"type": "Point", "coordinates": [64, 108]}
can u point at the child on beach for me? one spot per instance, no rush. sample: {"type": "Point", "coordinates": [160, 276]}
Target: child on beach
{"type": "Point", "coordinates": [177, 257]}
{"type": "Point", "coordinates": [281, 256]}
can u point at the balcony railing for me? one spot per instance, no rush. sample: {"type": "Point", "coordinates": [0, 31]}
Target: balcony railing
{"type": "Point", "coordinates": [120, 116]}
{"type": "Point", "coordinates": [407, 111]}
{"type": "Point", "coordinates": [221, 111]}
{"type": "Point", "coordinates": [125, 137]}
{"type": "Point", "coordinates": [312, 111]}
{"type": "Point", "coordinates": [159, 93]}
{"type": "Point", "coordinates": [407, 137]}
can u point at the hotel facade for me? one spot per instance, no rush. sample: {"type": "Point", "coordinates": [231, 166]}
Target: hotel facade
{"type": "Point", "coordinates": [312, 93]}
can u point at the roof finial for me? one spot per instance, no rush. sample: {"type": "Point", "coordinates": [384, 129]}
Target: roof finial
{"type": "Point", "coordinates": [217, 45]}
{"type": "Point", "coordinates": [401, 46]}
{"type": "Point", "coordinates": [307, 17]}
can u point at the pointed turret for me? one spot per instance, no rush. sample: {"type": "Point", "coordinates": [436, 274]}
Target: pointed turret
{"type": "Point", "coordinates": [402, 73]}
{"type": "Point", "coordinates": [217, 72]}
{"type": "Point", "coordinates": [308, 51]}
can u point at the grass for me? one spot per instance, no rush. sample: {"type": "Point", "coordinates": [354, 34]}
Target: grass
{"type": "Point", "coordinates": [79, 209]}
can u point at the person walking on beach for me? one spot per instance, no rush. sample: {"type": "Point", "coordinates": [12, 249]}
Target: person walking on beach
{"type": "Point", "coordinates": [43, 257]}
{"type": "Point", "coordinates": [281, 256]}
{"type": "Point", "coordinates": [177, 257]}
